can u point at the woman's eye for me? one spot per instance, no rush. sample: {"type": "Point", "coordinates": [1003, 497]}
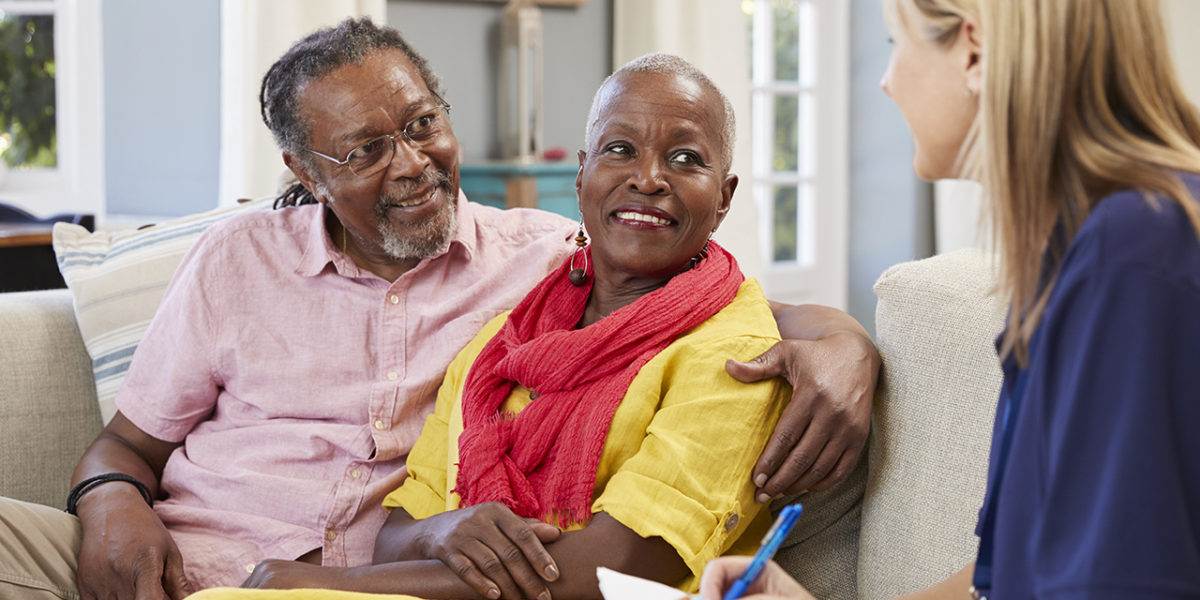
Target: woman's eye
{"type": "Point", "coordinates": [620, 149]}
{"type": "Point", "coordinates": [686, 158]}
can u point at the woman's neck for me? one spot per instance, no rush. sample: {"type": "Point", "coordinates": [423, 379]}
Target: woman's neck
{"type": "Point", "coordinates": [609, 296]}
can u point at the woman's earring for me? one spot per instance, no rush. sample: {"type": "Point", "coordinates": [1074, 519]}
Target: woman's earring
{"type": "Point", "coordinates": [702, 254]}
{"type": "Point", "coordinates": [578, 276]}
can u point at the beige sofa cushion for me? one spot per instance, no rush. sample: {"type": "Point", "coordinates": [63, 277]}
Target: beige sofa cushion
{"type": "Point", "coordinates": [935, 327]}
{"type": "Point", "coordinates": [118, 279]}
{"type": "Point", "coordinates": [48, 412]}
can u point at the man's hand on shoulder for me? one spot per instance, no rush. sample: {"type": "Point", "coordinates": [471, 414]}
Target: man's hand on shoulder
{"type": "Point", "coordinates": [833, 367]}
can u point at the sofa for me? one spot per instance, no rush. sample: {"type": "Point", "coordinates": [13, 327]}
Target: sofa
{"type": "Point", "coordinates": [912, 526]}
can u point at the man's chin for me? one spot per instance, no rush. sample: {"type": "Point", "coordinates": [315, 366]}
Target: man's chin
{"type": "Point", "coordinates": [419, 241]}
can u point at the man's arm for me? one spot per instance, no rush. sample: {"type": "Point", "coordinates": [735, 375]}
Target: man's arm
{"type": "Point", "coordinates": [833, 366]}
{"type": "Point", "coordinates": [126, 551]}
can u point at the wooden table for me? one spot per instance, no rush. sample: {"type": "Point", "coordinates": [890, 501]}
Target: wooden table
{"type": "Point", "coordinates": [13, 235]}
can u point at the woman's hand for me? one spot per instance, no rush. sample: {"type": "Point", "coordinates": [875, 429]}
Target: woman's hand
{"type": "Point", "coordinates": [493, 550]}
{"type": "Point", "coordinates": [824, 428]}
{"type": "Point", "coordinates": [772, 584]}
{"type": "Point", "coordinates": [292, 574]}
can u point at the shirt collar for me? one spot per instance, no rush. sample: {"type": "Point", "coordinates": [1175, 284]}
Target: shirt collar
{"type": "Point", "coordinates": [319, 249]}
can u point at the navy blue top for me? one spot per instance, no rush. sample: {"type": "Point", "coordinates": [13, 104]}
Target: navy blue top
{"type": "Point", "coordinates": [1101, 494]}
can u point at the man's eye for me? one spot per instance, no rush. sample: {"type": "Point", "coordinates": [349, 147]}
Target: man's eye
{"type": "Point", "coordinates": [422, 125]}
{"type": "Point", "coordinates": [368, 149]}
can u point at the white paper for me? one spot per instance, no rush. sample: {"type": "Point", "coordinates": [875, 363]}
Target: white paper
{"type": "Point", "coordinates": [619, 586]}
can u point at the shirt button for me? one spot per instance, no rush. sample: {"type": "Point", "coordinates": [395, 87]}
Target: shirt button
{"type": "Point", "coordinates": [249, 567]}
{"type": "Point", "coordinates": [732, 522]}
{"type": "Point", "coordinates": [394, 299]}
{"type": "Point", "coordinates": [356, 473]}
{"type": "Point", "coordinates": [378, 424]}
{"type": "Point", "coordinates": [392, 375]}
{"type": "Point", "coordinates": [330, 534]}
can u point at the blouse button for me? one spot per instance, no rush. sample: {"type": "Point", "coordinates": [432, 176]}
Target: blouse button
{"type": "Point", "coordinates": [731, 523]}
{"type": "Point", "coordinates": [394, 299]}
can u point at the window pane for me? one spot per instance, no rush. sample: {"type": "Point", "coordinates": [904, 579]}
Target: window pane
{"type": "Point", "coordinates": [27, 107]}
{"type": "Point", "coordinates": [808, 135]}
{"type": "Point", "coordinates": [785, 226]}
{"type": "Point", "coordinates": [808, 44]}
{"type": "Point", "coordinates": [787, 40]}
{"type": "Point", "coordinates": [787, 113]}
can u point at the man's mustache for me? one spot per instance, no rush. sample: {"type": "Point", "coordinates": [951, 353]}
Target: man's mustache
{"type": "Point", "coordinates": [408, 187]}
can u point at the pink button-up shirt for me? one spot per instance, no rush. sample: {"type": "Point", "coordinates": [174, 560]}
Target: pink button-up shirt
{"type": "Point", "coordinates": [298, 382]}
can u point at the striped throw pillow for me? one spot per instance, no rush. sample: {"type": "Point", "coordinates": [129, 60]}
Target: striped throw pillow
{"type": "Point", "coordinates": [117, 279]}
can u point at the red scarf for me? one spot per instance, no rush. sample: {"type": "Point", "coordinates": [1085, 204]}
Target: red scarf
{"type": "Point", "coordinates": [542, 463]}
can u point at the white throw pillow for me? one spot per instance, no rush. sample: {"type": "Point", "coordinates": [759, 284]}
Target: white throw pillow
{"type": "Point", "coordinates": [117, 280]}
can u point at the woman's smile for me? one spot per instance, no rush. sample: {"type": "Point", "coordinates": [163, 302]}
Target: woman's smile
{"type": "Point", "coordinates": [642, 217]}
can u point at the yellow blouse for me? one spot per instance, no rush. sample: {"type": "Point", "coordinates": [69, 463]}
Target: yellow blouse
{"type": "Point", "coordinates": [678, 457]}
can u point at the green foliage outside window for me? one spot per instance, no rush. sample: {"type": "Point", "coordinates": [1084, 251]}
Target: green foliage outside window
{"type": "Point", "coordinates": [785, 19]}
{"type": "Point", "coordinates": [27, 107]}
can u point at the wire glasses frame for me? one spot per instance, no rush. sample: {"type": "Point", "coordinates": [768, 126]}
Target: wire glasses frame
{"type": "Point", "coordinates": [371, 156]}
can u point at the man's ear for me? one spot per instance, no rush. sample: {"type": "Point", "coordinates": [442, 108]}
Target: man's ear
{"type": "Point", "coordinates": [970, 36]}
{"type": "Point", "coordinates": [304, 175]}
{"type": "Point", "coordinates": [728, 187]}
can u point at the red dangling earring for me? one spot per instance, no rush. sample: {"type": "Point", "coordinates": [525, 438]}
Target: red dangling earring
{"type": "Point", "coordinates": [576, 275]}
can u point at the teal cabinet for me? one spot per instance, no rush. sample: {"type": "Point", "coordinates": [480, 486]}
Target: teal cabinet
{"type": "Point", "coordinates": [548, 186]}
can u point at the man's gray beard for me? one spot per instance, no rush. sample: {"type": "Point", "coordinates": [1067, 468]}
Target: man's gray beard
{"type": "Point", "coordinates": [425, 240]}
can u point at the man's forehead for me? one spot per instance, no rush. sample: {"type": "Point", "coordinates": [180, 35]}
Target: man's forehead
{"type": "Point", "coordinates": [385, 86]}
{"type": "Point", "coordinates": [388, 71]}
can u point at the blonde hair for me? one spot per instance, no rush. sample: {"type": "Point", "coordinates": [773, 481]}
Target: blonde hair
{"type": "Point", "coordinates": [1079, 99]}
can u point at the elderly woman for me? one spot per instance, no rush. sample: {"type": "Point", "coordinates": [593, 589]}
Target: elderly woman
{"type": "Point", "coordinates": [1070, 115]}
{"type": "Point", "coordinates": [594, 406]}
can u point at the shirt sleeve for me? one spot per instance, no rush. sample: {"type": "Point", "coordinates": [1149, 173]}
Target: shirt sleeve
{"type": "Point", "coordinates": [172, 383]}
{"type": "Point", "coordinates": [1115, 383]}
{"type": "Point", "coordinates": [689, 482]}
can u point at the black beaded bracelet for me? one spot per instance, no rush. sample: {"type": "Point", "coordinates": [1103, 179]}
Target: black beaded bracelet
{"type": "Point", "coordinates": [88, 484]}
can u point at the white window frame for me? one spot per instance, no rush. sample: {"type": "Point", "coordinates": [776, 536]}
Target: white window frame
{"type": "Point", "coordinates": [76, 184]}
{"type": "Point", "coordinates": [820, 273]}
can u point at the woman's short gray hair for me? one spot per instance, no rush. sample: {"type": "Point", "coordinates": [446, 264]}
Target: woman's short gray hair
{"type": "Point", "coordinates": [669, 64]}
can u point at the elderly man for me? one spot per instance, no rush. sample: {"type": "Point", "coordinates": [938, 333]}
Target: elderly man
{"type": "Point", "coordinates": [274, 398]}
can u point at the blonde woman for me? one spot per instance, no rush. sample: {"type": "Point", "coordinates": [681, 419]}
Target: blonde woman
{"type": "Point", "coordinates": [1070, 115]}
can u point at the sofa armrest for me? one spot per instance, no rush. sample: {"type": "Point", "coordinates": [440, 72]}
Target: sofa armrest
{"type": "Point", "coordinates": [936, 323]}
{"type": "Point", "coordinates": [48, 411]}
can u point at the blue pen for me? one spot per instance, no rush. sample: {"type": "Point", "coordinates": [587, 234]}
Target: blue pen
{"type": "Point", "coordinates": [775, 536]}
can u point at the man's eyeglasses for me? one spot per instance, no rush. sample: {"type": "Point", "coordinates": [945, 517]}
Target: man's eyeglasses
{"type": "Point", "coordinates": [375, 154]}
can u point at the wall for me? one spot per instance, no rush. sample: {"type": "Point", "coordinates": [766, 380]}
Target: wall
{"type": "Point", "coordinates": [1183, 21]}
{"type": "Point", "coordinates": [460, 40]}
{"type": "Point", "coordinates": [891, 217]}
{"type": "Point", "coordinates": [161, 106]}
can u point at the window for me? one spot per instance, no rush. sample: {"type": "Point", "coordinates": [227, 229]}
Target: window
{"type": "Point", "coordinates": [799, 66]}
{"type": "Point", "coordinates": [50, 106]}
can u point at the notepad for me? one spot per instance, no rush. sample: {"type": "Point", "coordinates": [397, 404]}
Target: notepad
{"type": "Point", "coordinates": [619, 586]}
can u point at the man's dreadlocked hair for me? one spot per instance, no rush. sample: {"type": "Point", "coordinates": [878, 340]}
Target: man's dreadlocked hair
{"type": "Point", "coordinates": [311, 58]}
